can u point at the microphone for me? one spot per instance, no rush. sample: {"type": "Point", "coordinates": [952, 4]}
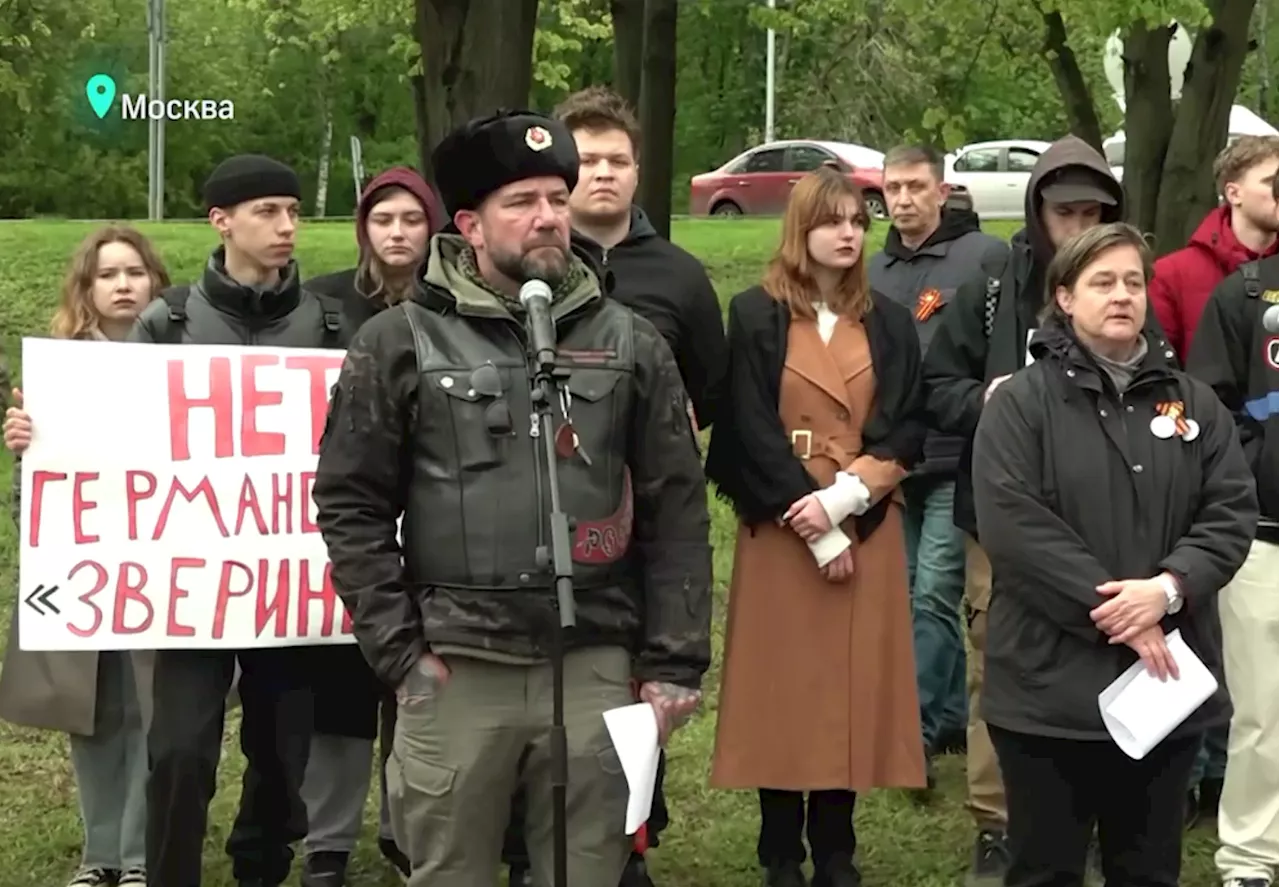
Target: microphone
{"type": "Point", "coordinates": [535, 296]}
{"type": "Point", "coordinates": [1271, 319]}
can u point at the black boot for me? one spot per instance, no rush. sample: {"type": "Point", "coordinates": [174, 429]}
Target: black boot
{"type": "Point", "coordinates": [784, 874]}
{"type": "Point", "coordinates": [325, 869]}
{"type": "Point", "coordinates": [838, 872]}
{"type": "Point", "coordinates": [990, 860]}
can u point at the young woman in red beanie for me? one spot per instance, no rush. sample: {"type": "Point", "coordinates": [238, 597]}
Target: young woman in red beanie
{"type": "Point", "coordinates": [397, 215]}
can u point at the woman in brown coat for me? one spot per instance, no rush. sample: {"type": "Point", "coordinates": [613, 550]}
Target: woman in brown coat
{"type": "Point", "coordinates": [823, 422]}
{"type": "Point", "coordinates": [102, 699]}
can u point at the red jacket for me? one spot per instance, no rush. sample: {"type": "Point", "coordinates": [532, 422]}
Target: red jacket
{"type": "Point", "coordinates": [1186, 278]}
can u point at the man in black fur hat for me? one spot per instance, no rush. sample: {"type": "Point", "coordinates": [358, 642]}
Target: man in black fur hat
{"type": "Point", "coordinates": [431, 421]}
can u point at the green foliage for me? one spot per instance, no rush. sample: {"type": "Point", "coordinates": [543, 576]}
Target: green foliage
{"type": "Point", "coordinates": [566, 27]}
{"type": "Point", "coordinates": [877, 72]}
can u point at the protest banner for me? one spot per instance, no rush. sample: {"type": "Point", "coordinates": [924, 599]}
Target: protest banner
{"type": "Point", "coordinates": [166, 498]}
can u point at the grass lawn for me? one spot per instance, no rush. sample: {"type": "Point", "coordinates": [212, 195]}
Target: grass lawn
{"type": "Point", "coordinates": [712, 840]}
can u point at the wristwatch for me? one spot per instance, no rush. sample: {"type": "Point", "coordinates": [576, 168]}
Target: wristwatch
{"type": "Point", "coordinates": [1171, 593]}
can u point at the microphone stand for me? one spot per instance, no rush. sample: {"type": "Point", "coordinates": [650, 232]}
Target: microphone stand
{"type": "Point", "coordinates": [544, 377]}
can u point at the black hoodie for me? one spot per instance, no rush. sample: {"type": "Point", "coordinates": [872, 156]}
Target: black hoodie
{"type": "Point", "coordinates": [972, 347]}
{"type": "Point", "coordinates": [669, 287]}
{"type": "Point", "coordinates": [955, 256]}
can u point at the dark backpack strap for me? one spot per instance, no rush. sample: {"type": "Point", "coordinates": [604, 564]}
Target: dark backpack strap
{"type": "Point", "coordinates": [332, 314]}
{"type": "Point", "coordinates": [1252, 283]}
{"type": "Point", "coordinates": [176, 299]}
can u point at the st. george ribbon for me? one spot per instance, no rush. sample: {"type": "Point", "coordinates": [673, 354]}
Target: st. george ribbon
{"type": "Point", "coordinates": [535, 296]}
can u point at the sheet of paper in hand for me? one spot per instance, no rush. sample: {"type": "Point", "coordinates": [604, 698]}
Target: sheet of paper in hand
{"type": "Point", "coordinates": [1140, 710]}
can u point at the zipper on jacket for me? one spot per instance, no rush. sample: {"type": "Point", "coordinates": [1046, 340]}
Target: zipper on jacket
{"type": "Point", "coordinates": [540, 479]}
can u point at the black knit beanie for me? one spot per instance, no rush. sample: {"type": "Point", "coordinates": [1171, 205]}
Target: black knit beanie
{"type": "Point", "coordinates": [249, 177]}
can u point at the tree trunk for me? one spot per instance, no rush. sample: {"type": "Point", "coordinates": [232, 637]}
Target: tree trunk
{"type": "Point", "coordinates": [1148, 121]}
{"type": "Point", "coordinates": [477, 57]}
{"type": "Point", "coordinates": [1082, 114]}
{"type": "Point", "coordinates": [420, 124]}
{"type": "Point", "coordinates": [1199, 131]}
{"type": "Point", "coordinates": [628, 48]}
{"type": "Point", "coordinates": [658, 112]}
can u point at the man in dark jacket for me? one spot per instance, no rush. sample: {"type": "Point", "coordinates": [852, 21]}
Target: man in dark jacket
{"type": "Point", "coordinates": [651, 275]}
{"type": "Point", "coordinates": [1235, 351]}
{"type": "Point", "coordinates": [1241, 229]}
{"type": "Point", "coordinates": [462, 619]}
{"type": "Point", "coordinates": [662, 283]}
{"type": "Point", "coordinates": [249, 294]}
{"type": "Point", "coordinates": [982, 340]}
{"type": "Point", "coordinates": [932, 254]}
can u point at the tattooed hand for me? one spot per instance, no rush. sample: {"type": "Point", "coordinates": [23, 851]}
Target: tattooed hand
{"type": "Point", "coordinates": [672, 704]}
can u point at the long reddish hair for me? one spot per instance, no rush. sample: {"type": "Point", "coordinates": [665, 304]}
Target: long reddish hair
{"type": "Point", "coordinates": [818, 199]}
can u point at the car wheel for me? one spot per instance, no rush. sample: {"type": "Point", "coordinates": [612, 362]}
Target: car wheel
{"type": "Point", "coordinates": [726, 209]}
{"type": "Point", "coordinates": [876, 207]}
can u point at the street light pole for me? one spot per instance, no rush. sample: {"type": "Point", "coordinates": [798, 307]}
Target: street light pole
{"type": "Point", "coordinates": [770, 75]}
{"type": "Point", "coordinates": [155, 125]}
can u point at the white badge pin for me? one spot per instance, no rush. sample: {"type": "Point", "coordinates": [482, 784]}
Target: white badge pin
{"type": "Point", "coordinates": [537, 138]}
{"type": "Point", "coordinates": [1192, 432]}
{"type": "Point", "coordinates": [1163, 427]}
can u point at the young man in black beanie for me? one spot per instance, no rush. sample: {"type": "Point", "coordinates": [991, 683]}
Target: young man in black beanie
{"type": "Point", "coordinates": [249, 294]}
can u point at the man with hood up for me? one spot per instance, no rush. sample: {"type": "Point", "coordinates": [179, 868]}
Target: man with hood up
{"type": "Point", "coordinates": [397, 214]}
{"type": "Point", "coordinates": [981, 342]}
{"type": "Point", "coordinates": [930, 252]}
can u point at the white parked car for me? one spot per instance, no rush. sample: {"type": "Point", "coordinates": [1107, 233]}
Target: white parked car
{"type": "Point", "coordinates": [996, 174]}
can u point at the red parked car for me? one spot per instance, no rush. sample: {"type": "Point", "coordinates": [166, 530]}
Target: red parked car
{"type": "Point", "coordinates": [758, 182]}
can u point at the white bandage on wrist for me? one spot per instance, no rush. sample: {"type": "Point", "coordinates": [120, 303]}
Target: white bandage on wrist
{"type": "Point", "coordinates": [847, 495]}
{"type": "Point", "coordinates": [829, 546]}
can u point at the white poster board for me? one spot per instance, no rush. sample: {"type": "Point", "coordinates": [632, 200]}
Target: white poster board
{"type": "Point", "coordinates": [166, 498]}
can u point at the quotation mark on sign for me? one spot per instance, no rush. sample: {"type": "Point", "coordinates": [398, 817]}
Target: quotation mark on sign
{"type": "Point", "coordinates": [41, 596]}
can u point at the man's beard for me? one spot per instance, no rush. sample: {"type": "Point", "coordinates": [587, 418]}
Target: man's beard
{"type": "Point", "coordinates": [548, 263]}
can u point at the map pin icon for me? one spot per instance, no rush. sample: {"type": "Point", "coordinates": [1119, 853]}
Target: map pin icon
{"type": "Point", "coordinates": [101, 91]}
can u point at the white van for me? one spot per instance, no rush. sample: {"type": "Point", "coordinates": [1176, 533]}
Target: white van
{"type": "Point", "coordinates": [1243, 122]}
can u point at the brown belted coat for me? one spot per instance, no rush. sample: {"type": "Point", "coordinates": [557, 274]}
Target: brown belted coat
{"type": "Point", "coordinates": [819, 681]}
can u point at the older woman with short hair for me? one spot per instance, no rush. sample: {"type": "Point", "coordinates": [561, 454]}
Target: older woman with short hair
{"type": "Point", "coordinates": [1114, 501]}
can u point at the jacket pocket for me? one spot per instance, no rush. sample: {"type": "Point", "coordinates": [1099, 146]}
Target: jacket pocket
{"type": "Point", "coordinates": [478, 414]}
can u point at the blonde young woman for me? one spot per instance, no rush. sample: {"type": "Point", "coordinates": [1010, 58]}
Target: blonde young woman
{"type": "Point", "coordinates": [101, 699]}
{"type": "Point", "coordinates": [821, 424]}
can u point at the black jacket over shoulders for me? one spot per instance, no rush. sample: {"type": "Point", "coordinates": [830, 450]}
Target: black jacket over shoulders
{"type": "Point", "coordinates": [1235, 354]}
{"type": "Point", "coordinates": [1072, 490]}
{"type": "Point", "coordinates": [751, 458]}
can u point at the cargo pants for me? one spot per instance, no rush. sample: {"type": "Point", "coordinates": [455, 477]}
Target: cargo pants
{"type": "Point", "coordinates": [986, 799]}
{"type": "Point", "coordinates": [463, 745]}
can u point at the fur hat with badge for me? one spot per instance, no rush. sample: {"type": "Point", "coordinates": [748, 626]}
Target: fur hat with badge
{"type": "Point", "coordinates": [489, 153]}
